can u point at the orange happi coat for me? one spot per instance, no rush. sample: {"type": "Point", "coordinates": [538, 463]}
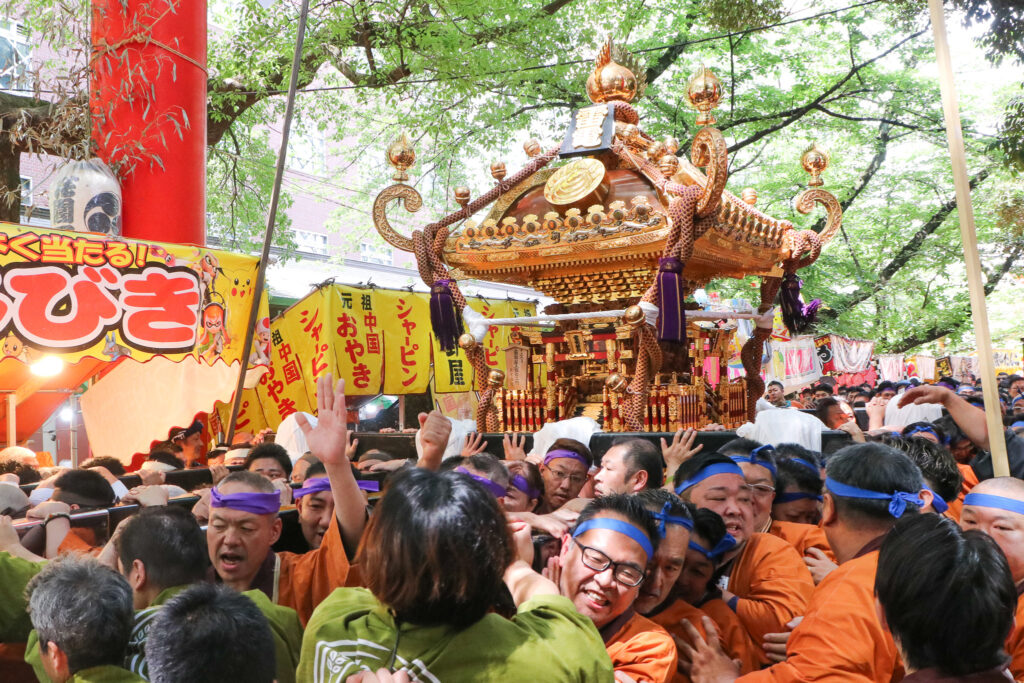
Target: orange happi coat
{"type": "Point", "coordinates": [802, 537]}
{"type": "Point", "coordinates": [641, 649]}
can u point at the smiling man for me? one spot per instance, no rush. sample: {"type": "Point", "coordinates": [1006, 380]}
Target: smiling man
{"type": "Point", "coordinates": [603, 564]}
{"type": "Point", "coordinates": [763, 579]}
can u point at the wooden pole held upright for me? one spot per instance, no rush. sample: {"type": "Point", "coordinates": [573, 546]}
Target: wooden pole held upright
{"type": "Point", "coordinates": [979, 313]}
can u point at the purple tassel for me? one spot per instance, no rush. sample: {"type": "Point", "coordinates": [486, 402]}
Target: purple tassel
{"type": "Point", "coordinates": [672, 316]}
{"type": "Point", "coordinates": [797, 316]}
{"type": "Point", "coordinates": [444, 317]}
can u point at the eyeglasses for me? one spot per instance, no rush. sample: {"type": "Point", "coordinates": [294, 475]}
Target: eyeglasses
{"type": "Point", "coordinates": [626, 574]}
{"type": "Point", "coordinates": [574, 479]}
{"type": "Point", "coordinates": [762, 490]}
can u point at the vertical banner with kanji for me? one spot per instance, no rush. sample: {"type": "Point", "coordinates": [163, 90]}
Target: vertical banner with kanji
{"type": "Point", "coordinates": [358, 353]}
{"type": "Point", "coordinates": [297, 360]}
{"type": "Point", "coordinates": [405, 329]}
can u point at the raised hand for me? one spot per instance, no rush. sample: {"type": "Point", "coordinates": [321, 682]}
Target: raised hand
{"type": "Point", "coordinates": [514, 446]}
{"type": "Point", "coordinates": [328, 441]}
{"type": "Point", "coordinates": [680, 450]}
{"type": "Point", "coordinates": [474, 445]}
{"type": "Point", "coordinates": [432, 439]}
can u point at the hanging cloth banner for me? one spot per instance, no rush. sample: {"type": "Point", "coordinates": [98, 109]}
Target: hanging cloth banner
{"type": "Point", "coordinates": [823, 346]}
{"type": "Point", "coordinates": [965, 368]}
{"type": "Point", "coordinates": [794, 362]}
{"type": "Point", "coordinates": [890, 367]}
{"type": "Point", "coordinates": [943, 367]}
{"type": "Point", "coordinates": [922, 367]}
{"type": "Point", "coordinates": [851, 355]}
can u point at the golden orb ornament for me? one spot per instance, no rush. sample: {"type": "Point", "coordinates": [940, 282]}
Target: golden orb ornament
{"type": "Point", "coordinates": [704, 93]}
{"type": "Point", "coordinates": [498, 170]}
{"type": "Point", "coordinates": [532, 147]}
{"type": "Point", "coordinates": [401, 155]}
{"type": "Point", "coordinates": [749, 195]}
{"type": "Point", "coordinates": [815, 160]}
{"type": "Point", "coordinates": [496, 378]}
{"type": "Point", "coordinates": [462, 195]}
{"type": "Point", "coordinates": [467, 342]}
{"type": "Point", "coordinates": [615, 382]}
{"type": "Point", "coordinates": [655, 151]}
{"type": "Point", "coordinates": [611, 81]}
{"type": "Point", "coordinates": [671, 144]}
{"type": "Point", "coordinates": [634, 316]}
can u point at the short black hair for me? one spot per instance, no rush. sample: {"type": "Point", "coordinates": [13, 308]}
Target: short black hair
{"type": "Point", "coordinates": [84, 488]}
{"type": "Point", "coordinates": [913, 427]}
{"type": "Point", "coordinates": [886, 385]}
{"type": "Point", "coordinates": [208, 634]}
{"type": "Point", "coordinates": [695, 464]}
{"type": "Point", "coordinates": [739, 446]}
{"type": "Point", "coordinates": [629, 506]}
{"type": "Point", "coordinates": [931, 576]}
{"type": "Point", "coordinates": [272, 450]}
{"type": "Point", "coordinates": [824, 387]}
{"type": "Point", "coordinates": [26, 473]}
{"type": "Point", "coordinates": [169, 542]}
{"type": "Point", "coordinates": [656, 500]}
{"type": "Point", "coordinates": [777, 383]}
{"type": "Point", "coordinates": [641, 454]}
{"type": "Point", "coordinates": [166, 457]}
{"type": "Point", "coordinates": [709, 525]}
{"type": "Point", "coordinates": [792, 473]}
{"type": "Point", "coordinates": [935, 462]}
{"type": "Point", "coordinates": [873, 467]}
{"type": "Point", "coordinates": [822, 408]}
{"type": "Point", "coordinates": [316, 469]}
{"type": "Point", "coordinates": [113, 465]}
{"type": "Point", "coordinates": [491, 467]}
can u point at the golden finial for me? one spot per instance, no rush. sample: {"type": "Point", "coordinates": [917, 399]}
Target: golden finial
{"type": "Point", "coordinates": [634, 316]}
{"type": "Point", "coordinates": [467, 342]}
{"type": "Point", "coordinates": [669, 164]}
{"type": "Point", "coordinates": [401, 155]}
{"type": "Point", "coordinates": [532, 147]}
{"type": "Point", "coordinates": [495, 378]}
{"type": "Point", "coordinates": [704, 92]}
{"type": "Point", "coordinates": [815, 160]}
{"type": "Point", "coordinates": [498, 170]}
{"type": "Point", "coordinates": [617, 76]}
{"type": "Point", "coordinates": [616, 382]}
{"type": "Point", "coordinates": [462, 195]}
{"type": "Point", "coordinates": [671, 144]}
{"type": "Point", "coordinates": [749, 195]}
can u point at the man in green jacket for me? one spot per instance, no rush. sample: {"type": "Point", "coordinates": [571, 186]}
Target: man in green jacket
{"type": "Point", "coordinates": [82, 614]}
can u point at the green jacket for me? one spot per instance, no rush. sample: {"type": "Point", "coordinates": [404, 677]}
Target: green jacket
{"type": "Point", "coordinates": [547, 640]}
{"type": "Point", "coordinates": [15, 574]}
{"type": "Point", "coordinates": [105, 674]}
{"type": "Point", "coordinates": [284, 626]}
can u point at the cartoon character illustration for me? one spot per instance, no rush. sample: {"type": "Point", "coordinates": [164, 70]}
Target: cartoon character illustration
{"type": "Point", "coordinates": [112, 349]}
{"type": "Point", "coordinates": [261, 343]}
{"type": "Point", "coordinates": [206, 267]}
{"type": "Point", "coordinates": [15, 348]}
{"type": "Point", "coordinates": [167, 257]}
{"type": "Point", "coordinates": [213, 336]}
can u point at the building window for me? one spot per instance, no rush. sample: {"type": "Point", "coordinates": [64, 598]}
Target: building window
{"type": "Point", "coordinates": [26, 191]}
{"type": "Point", "coordinates": [374, 253]}
{"type": "Point", "coordinates": [311, 242]}
{"type": "Point", "coordinates": [15, 53]}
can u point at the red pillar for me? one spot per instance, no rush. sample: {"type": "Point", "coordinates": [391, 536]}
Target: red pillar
{"type": "Point", "coordinates": [148, 80]}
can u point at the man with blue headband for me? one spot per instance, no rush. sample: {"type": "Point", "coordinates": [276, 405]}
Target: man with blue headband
{"type": "Point", "coordinates": [996, 507]}
{"type": "Point", "coordinates": [868, 487]}
{"type": "Point", "coordinates": [601, 568]}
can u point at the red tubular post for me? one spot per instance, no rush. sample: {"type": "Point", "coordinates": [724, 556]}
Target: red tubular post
{"type": "Point", "coordinates": [148, 79]}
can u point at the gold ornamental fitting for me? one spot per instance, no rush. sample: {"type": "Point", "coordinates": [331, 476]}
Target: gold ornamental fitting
{"type": "Point", "coordinates": [749, 195]}
{"type": "Point", "coordinates": [616, 382]}
{"type": "Point", "coordinates": [704, 93]}
{"type": "Point", "coordinates": [574, 181]}
{"type": "Point", "coordinates": [671, 144]}
{"type": "Point", "coordinates": [611, 81]}
{"type": "Point", "coordinates": [401, 155]}
{"type": "Point", "coordinates": [496, 378]}
{"type": "Point", "coordinates": [634, 316]}
{"type": "Point", "coordinates": [815, 160]}
{"type": "Point", "coordinates": [498, 170]}
{"type": "Point", "coordinates": [462, 195]}
{"type": "Point", "coordinates": [467, 342]}
{"type": "Point", "coordinates": [669, 164]}
{"type": "Point", "coordinates": [532, 147]}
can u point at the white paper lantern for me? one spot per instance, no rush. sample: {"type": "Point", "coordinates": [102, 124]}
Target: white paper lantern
{"type": "Point", "coordinates": [85, 196]}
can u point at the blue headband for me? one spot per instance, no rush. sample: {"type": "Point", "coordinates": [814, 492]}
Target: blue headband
{"type": "Point", "coordinates": [926, 429]}
{"type": "Point", "coordinates": [664, 518]}
{"type": "Point", "coordinates": [725, 545]}
{"type": "Point", "coordinates": [938, 503]}
{"type": "Point", "coordinates": [897, 500]}
{"type": "Point", "coordinates": [709, 471]}
{"type": "Point", "coordinates": [808, 464]}
{"type": "Point", "coordinates": [987, 500]}
{"type": "Point", "coordinates": [796, 495]}
{"type": "Point", "coordinates": [618, 526]}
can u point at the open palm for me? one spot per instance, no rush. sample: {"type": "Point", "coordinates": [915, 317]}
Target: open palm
{"type": "Point", "coordinates": [329, 439]}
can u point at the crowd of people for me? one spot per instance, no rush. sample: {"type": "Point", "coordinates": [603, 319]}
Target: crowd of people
{"type": "Point", "coordinates": [899, 556]}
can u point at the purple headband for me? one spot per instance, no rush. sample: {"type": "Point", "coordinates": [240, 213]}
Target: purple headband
{"type": "Point", "coordinates": [496, 489]}
{"type": "Point", "coordinates": [318, 484]}
{"type": "Point", "coordinates": [519, 482]}
{"type": "Point", "coordinates": [247, 501]}
{"type": "Point", "coordinates": [565, 453]}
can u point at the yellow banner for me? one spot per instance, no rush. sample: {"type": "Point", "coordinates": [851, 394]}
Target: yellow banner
{"type": "Point", "coordinates": [356, 339]}
{"type": "Point", "coordinates": [77, 295]}
{"type": "Point", "coordinates": [250, 416]}
{"type": "Point", "coordinates": [405, 326]}
{"type": "Point", "coordinates": [452, 370]}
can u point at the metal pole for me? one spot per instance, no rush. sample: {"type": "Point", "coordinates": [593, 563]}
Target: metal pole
{"type": "Point", "coordinates": [268, 237]}
{"type": "Point", "coordinates": [401, 412]}
{"type": "Point", "coordinates": [979, 314]}
{"type": "Point", "coordinates": [12, 420]}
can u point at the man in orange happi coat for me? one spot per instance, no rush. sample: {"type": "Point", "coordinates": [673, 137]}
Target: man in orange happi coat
{"type": "Point", "coordinates": [996, 507]}
{"type": "Point", "coordinates": [763, 579]}
{"type": "Point", "coordinates": [868, 487]}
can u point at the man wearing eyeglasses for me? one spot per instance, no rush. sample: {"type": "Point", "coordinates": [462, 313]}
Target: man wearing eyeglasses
{"type": "Point", "coordinates": [601, 567]}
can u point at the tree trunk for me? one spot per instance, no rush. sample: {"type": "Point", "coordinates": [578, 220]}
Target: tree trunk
{"type": "Point", "coordinates": [10, 181]}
